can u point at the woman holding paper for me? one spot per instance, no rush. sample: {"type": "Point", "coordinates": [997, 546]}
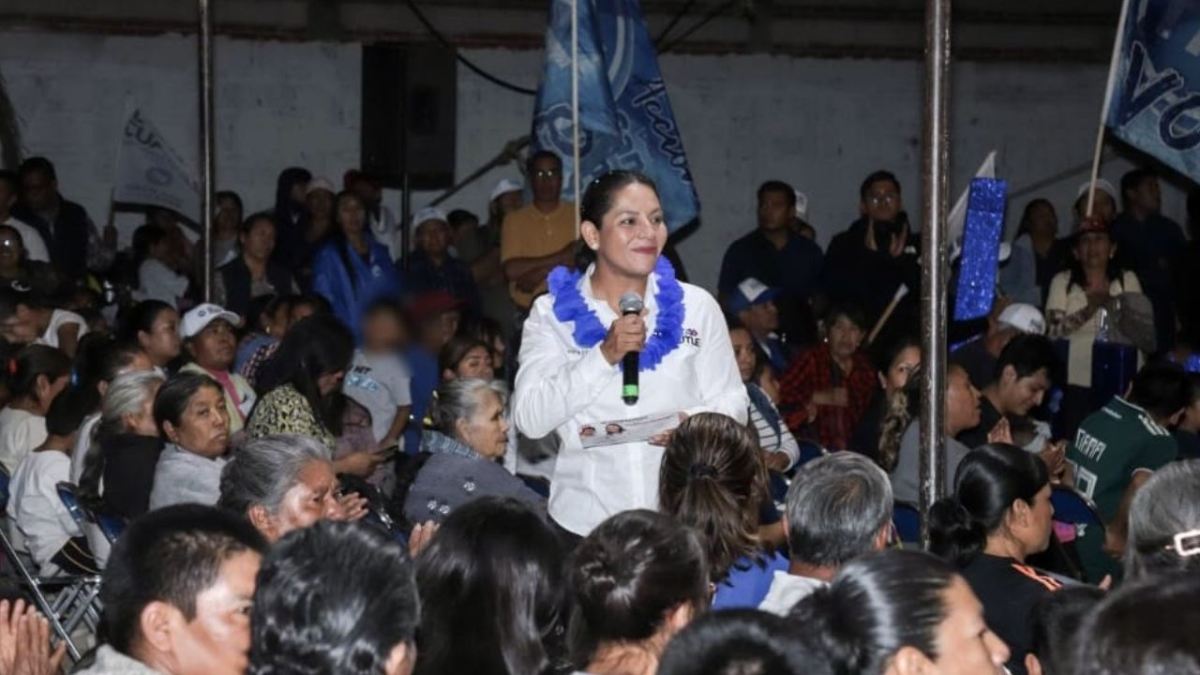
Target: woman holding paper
{"type": "Point", "coordinates": [575, 339]}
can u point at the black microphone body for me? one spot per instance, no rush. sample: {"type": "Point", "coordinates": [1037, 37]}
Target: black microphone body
{"type": "Point", "coordinates": [630, 303]}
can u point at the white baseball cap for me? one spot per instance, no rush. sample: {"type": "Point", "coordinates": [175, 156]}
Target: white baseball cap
{"type": "Point", "coordinates": [427, 214]}
{"type": "Point", "coordinates": [751, 292]}
{"type": "Point", "coordinates": [801, 205]}
{"type": "Point", "coordinates": [1023, 317]}
{"type": "Point", "coordinates": [319, 183]}
{"type": "Point", "coordinates": [505, 186]}
{"type": "Point", "coordinates": [197, 319]}
{"type": "Point", "coordinates": [1101, 186]}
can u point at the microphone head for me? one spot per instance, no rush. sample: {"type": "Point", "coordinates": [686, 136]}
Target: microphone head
{"type": "Point", "coordinates": [631, 303]}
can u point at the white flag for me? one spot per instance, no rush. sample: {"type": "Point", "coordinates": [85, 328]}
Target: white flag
{"type": "Point", "coordinates": [150, 172]}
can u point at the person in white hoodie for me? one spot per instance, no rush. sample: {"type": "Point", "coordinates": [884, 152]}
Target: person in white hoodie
{"type": "Point", "coordinates": [839, 507]}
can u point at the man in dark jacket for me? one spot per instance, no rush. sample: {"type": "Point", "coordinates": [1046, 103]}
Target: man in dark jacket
{"type": "Point", "coordinates": [74, 244]}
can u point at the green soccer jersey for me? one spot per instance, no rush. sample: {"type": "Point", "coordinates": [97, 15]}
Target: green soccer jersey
{"type": "Point", "coordinates": [1111, 445]}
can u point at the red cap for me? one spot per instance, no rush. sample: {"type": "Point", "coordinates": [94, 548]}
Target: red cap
{"type": "Point", "coordinates": [432, 303]}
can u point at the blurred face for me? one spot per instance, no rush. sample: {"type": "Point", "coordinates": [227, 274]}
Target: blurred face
{"type": "Point", "coordinates": [510, 201]}
{"type": "Point", "coordinates": [964, 644]}
{"type": "Point", "coordinates": [161, 344]}
{"type": "Point", "coordinates": [217, 639]}
{"type": "Point", "coordinates": [962, 401]}
{"type": "Point", "coordinates": [743, 352]}
{"type": "Point", "coordinates": [39, 191]}
{"type": "Point", "coordinates": [301, 311]}
{"type": "Point", "coordinates": [351, 216]}
{"type": "Point", "coordinates": [367, 191]}
{"type": "Point", "coordinates": [1104, 208]}
{"type": "Point", "coordinates": [844, 337]}
{"type": "Point", "coordinates": [632, 234]}
{"type": "Point", "coordinates": [1094, 250]}
{"type": "Point", "coordinates": [774, 211]}
{"type": "Point", "coordinates": [142, 423]}
{"type": "Point", "coordinates": [21, 326]}
{"type": "Point", "coordinates": [1043, 222]}
{"type": "Point", "coordinates": [882, 202]}
{"type": "Point", "coordinates": [487, 430]}
{"type": "Point", "coordinates": [204, 426]}
{"type": "Point", "coordinates": [477, 364]}
{"type": "Point", "coordinates": [11, 247]}
{"type": "Point", "coordinates": [761, 319]}
{"type": "Point", "coordinates": [229, 216]}
{"type": "Point", "coordinates": [1147, 197]}
{"type": "Point", "coordinates": [296, 193]}
{"type": "Point", "coordinates": [320, 204]}
{"type": "Point", "coordinates": [434, 237]}
{"type": "Point", "coordinates": [1034, 532]}
{"type": "Point", "coordinates": [546, 180]}
{"type": "Point", "coordinates": [259, 242]}
{"type": "Point", "coordinates": [896, 377]}
{"type": "Point", "coordinates": [214, 347]}
{"type": "Point", "coordinates": [1020, 395]}
{"type": "Point", "coordinates": [383, 332]}
{"type": "Point", "coordinates": [314, 497]}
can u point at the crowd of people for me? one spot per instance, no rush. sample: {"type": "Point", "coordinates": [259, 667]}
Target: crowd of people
{"type": "Point", "coordinates": [529, 446]}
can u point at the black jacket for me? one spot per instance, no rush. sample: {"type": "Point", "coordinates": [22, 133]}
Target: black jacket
{"type": "Point", "coordinates": [236, 277]}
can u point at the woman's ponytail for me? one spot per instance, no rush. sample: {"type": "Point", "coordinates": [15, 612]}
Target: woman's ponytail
{"type": "Point", "coordinates": [954, 535]}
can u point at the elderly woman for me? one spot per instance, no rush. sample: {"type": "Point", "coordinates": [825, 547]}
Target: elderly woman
{"type": "Point", "coordinates": [459, 460]}
{"type": "Point", "coordinates": [190, 412]}
{"type": "Point", "coordinates": [284, 483]}
{"type": "Point", "coordinates": [1164, 524]}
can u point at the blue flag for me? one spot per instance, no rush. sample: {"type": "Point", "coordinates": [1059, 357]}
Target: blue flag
{"type": "Point", "coordinates": [1155, 104]}
{"type": "Point", "coordinates": [625, 118]}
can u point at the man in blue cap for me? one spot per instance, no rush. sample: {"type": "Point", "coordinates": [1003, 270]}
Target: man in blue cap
{"type": "Point", "coordinates": [752, 303]}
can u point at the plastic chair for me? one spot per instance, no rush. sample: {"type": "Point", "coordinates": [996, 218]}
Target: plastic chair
{"type": "Point", "coordinates": [809, 450]}
{"type": "Point", "coordinates": [907, 520]}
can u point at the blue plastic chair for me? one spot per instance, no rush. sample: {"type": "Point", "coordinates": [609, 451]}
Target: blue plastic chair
{"type": "Point", "coordinates": [809, 450]}
{"type": "Point", "coordinates": [1071, 506]}
{"type": "Point", "coordinates": [110, 526]}
{"type": "Point", "coordinates": [906, 518]}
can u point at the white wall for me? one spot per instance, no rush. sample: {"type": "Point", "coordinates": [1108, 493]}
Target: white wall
{"type": "Point", "coordinates": [819, 124]}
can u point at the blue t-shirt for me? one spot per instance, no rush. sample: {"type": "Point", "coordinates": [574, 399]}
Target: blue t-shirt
{"type": "Point", "coordinates": [748, 582]}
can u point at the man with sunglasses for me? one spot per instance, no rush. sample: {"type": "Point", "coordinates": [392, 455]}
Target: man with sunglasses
{"type": "Point", "coordinates": [540, 236]}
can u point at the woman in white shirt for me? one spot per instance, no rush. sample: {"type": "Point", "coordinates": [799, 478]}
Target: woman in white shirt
{"type": "Point", "coordinates": [570, 376]}
{"type": "Point", "coordinates": [156, 279]}
{"type": "Point", "coordinates": [34, 377]}
{"type": "Point", "coordinates": [25, 320]}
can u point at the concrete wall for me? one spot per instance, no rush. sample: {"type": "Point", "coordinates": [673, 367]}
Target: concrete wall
{"type": "Point", "coordinates": [819, 124]}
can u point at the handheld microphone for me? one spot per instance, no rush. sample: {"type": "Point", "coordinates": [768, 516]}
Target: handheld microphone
{"type": "Point", "coordinates": [631, 303]}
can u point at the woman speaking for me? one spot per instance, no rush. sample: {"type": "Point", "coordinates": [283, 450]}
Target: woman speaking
{"type": "Point", "coordinates": [576, 338]}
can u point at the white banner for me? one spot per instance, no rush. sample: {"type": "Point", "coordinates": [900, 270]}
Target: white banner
{"type": "Point", "coordinates": [150, 172]}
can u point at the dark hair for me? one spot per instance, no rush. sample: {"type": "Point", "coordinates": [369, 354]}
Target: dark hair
{"type": "Point", "coordinates": [37, 165]}
{"type": "Point", "coordinates": [850, 311]}
{"type": "Point", "coordinates": [780, 187]}
{"type": "Point", "coordinates": [10, 177]}
{"type": "Point", "coordinates": [32, 362]}
{"type": "Point", "coordinates": [456, 350]}
{"type": "Point", "coordinates": [1131, 181]}
{"type": "Point", "coordinates": [883, 353]}
{"type": "Point", "coordinates": [541, 154]}
{"type": "Point", "coordinates": [1027, 354]}
{"type": "Point", "coordinates": [743, 642]}
{"type": "Point", "coordinates": [316, 345]}
{"type": "Point", "coordinates": [633, 569]}
{"type": "Point", "coordinates": [248, 224]}
{"type": "Point", "coordinates": [1143, 628]}
{"type": "Point", "coordinates": [99, 358]}
{"type": "Point", "coordinates": [1055, 622]}
{"type": "Point", "coordinates": [1027, 214]}
{"type": "Point", "coordinates": [989, 479]}
{"type": "Point", "coordinates": [598, 197]}
{"type": "Point", "coordinates": [1161, 388]}
{"type": "Point", "coordinates": [713, 479]}
{"type": "Point", "coordinates": [332, 598]}
{"type": "Point", "coordinates": [169, 555]}
{"type": "Point", "coordinates": [283, 190]}
{"type": "Point", "coordinates": [876, 605]}
{"type": "Point", "coordinates": [68, 409]}
{"type": "Point", "coordinates": [460, 217]}
{"type": "Point", "coordinates": [318, 303]}
{"type": "Point", "coordinates": [140, 319]}
{"type": "Point", "coordinates": [265, 307]}
{"type": "Point", "coordinates": [1077, 277]}
{"type": "Point", "coordinates": [145, 238]}
{"type": "Point", "coordinates": [230, 194]}
{"type": "Point", "coordinates": [494, 573]}
{"type": "Point", "coordinates": [173, 397]}
{"type": "Point", "coordinates": [876, 177]}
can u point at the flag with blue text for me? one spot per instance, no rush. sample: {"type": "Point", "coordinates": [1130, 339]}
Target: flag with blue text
{"type": "Point", "coordinates": [626, 120]}
{"type": "Point", "coordinates": [1155, 103]}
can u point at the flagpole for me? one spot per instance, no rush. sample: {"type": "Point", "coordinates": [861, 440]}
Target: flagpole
{"type": "Point", "coordinates": [205, 34]}
{"type": "Point", "coordinates": [1108, 92]}
{"type": "Point", "coordinates": [936, 147]}
{"type": "Point", "coordinates": [575, 168]}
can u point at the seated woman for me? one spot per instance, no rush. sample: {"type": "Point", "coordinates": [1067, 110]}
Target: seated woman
{"type": "Point", "coordinates": [156, 257]}
{"type": "Point", "coordinates": [999, 515]}
{"type": "Point", "coordinates": [830, 385]}
{"type": "Point", "coordinates": [459, 459]}
{"type": "Point", "coordinates": [191, 415]}
{"type": "Point", "coordinates": [50, 534]}
{"type": "Point", "coordinates": [334, 598]}
{"type": "Point", "coordinates": [466, 357]}
{"type": "Point", "coordinates": [153, 325]}
{"type": "Point", "coordinates": [17, 269]}
{"type": "Point", "coordinates": [895, 359]}
{"type": "Point", "coordinates": [100, 360]}
{"type": "Point", "coordinates": [267, 319]}
{"type": "Point", "coordinates": [33, 377]}
{"type": "Point", "coordinates": [713, 479]}
{"type": "Point", "coordinates": [639, 578]}
{"type": "Point", "coordinates": [252, 273]}
{"type": "Point", "coordinates": [1166, 506]}
{"type": "Point", "coordinates": [899, 436]}
{"type": "Point", "coordinates": [122, 453]}
{"type": "Point", "coordinates": [284, 483]}
{"type": "Point", "coordinates": [210, 341]}
{"type": "Point", "coordinates": [781, 451]}
{"type": "Point", "coordinates": [302, 388]}
{"type": "Point", "coordinates": [25, 318]}
{"type": "Point", "coordinates": [901, 613]}
{"type": "Point", "coordinates": [499, 554]}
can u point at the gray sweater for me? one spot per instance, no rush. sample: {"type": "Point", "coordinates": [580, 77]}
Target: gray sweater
{"type": "Point", "coordinates": [183, 477]}
{"type": "Point", "coordinates": [906, 474]}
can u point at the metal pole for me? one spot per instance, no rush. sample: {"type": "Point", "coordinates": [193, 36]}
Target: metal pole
{"type": "Point", "coordinates": [207, 155]}
{"type": "Point", "coordinates": [575, 167]}
{"type": "Point", "coordinates": [936, 141]}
